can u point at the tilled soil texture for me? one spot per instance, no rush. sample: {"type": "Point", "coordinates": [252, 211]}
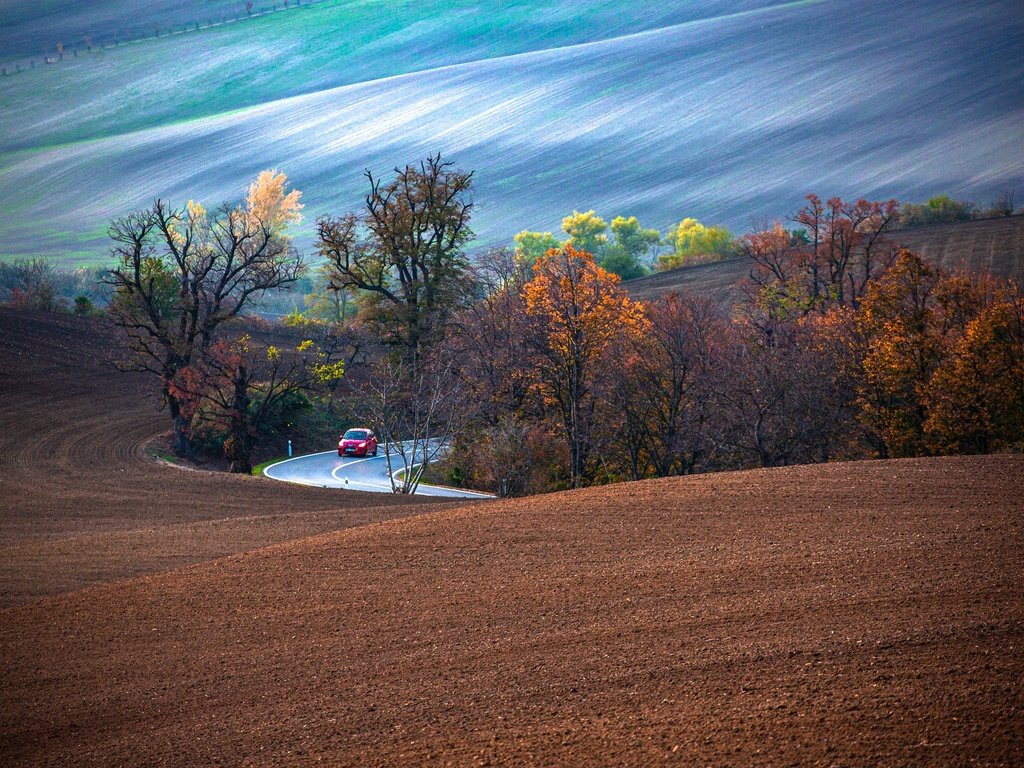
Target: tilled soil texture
{"type": "Point", "coordinates": [840, 615]}
{"type": "Point", "coordinates": [996, 245]}
{"type": "Point", "coordinates": [81, 501]}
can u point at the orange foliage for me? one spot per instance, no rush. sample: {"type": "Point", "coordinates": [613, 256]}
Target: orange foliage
{"type": "Point", "coordinates": [942, 366]}
{"type": "Point", "coordinates": [580, 315]}
{"type": "Point", "coordinates": [976, 400]}
{"type": "Point", "coordinates": [904, 345]}
{"type": "Point", "coordinates": [582, 305]}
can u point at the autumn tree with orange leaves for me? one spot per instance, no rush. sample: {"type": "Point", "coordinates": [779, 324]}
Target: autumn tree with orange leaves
{"type": "Point", "coordinates": [975, 401]}
{"type": "Point", "coordinates": [916, 322]}
{"type": "Point", "coordinates": [579, 315]}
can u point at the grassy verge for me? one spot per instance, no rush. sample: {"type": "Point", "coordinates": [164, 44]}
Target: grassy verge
{"type": "Point", "coordinates": [258, 469]}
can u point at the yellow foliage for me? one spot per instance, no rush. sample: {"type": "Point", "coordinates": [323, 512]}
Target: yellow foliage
{"type": "Point", "coordinates": [196, 210]}
{"type": "Point", "coordinates": [270, 205]}
{"type": "Point", "coordinates": [586, 231]}
{"type": "Point", "coordinates": [328, 372]}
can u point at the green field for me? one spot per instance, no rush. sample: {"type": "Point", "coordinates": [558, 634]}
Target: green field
{"type": "Point", "coordinates": [725, 112]}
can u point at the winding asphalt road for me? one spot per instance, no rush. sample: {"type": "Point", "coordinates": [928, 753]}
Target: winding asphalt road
{"type": "Point", "coordinates": [328, 470]}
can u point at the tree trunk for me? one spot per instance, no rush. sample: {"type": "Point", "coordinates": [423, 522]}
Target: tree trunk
{"type": "Point", "coordinates": [241, 435]}
{"type": "Point", "coordinates": [241, 461]}
{"type": "Point", "coordinates": [182, 439]}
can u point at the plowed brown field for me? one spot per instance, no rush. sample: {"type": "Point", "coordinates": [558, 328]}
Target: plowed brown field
{"type": "Point", "coordinates": [82, 502]}
{"type": "Point", "coordinates": [849, 614]}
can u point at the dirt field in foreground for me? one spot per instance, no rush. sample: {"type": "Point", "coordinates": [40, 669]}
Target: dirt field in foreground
{"type": "Point", "coordinates": [849, 614]}
{"type": "Point", "coordinates": [82, 503]}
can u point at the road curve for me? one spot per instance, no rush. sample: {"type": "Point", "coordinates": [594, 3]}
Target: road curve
{"type": "Point", "coordinates": [328, 470]}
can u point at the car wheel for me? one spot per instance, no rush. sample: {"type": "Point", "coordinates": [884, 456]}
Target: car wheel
{"type": "Point", "coordinates": [374, 450]}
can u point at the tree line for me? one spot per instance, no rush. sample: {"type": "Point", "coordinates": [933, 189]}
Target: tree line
{"type": "Point", "coordinates": [529, 368]}
{"type": "Point", "coordinates": [842, 348]}
{"type": "Point", "coordinates": [630, 250]}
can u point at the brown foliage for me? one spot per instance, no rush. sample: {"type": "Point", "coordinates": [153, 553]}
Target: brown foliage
{"type": "Point", "coordinates": [663, 389]}
{"type": "Point", "coordinates": [924, 362]}
{"type": "Point", "coordinates": [844, 251]}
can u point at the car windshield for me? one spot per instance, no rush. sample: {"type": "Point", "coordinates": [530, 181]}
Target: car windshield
{"type": "Point", "coordinates": [356, 434]}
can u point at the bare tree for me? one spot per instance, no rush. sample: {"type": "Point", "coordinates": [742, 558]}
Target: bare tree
{"type": "Point", "coordinates": [779, 398]}
{"type": "Point", "coordinates": [417, 412]}
{"type": "Point", "coordinates": [405, 251]}
{"type": "Point", "coordinates": [489, 336]}
{"type": "Point", "coordinates": [179, 275]}
{"type": "Point", "coordinates": [30, 283]}
{"type": "Point", "coordinates": [1004, 204]}
{"type": "Point", "coordinates": [663, 388]}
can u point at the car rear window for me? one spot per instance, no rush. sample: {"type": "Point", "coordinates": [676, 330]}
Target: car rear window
{"type": "Point", "coordinates": [355, 434]}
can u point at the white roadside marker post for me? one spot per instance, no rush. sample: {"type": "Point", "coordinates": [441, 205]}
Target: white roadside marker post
{"type": "Point", "coordinates": [289, 449]}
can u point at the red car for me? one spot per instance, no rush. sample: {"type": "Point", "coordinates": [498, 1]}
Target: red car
{"type": "Point", "coordinates": [358, 442]}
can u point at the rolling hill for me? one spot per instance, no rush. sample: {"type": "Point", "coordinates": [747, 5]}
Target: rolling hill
{"type": "Point", "coordinates": [995, 245]}
{"type": "Point", "coordinates": [82, 501]}
{"type": "Point", "coordinates": [721, 111]}
{"type": "Point", "coordinates": [865, 613]}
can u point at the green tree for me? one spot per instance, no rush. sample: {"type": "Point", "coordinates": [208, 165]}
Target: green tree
{"type": "Point", "coordinates": [618, 261]}
{"type": "Point", "coordinates": [84, 306]}
{"type": "Point", "coordinates": [530, 246]}
{"type": "Point", "coordinates": [939, 209]}
{"type": "Point", "coordinates": [632, 238]}
{"type": "Point", "coordinates": [692, 239]}
{"type": "Point", "coordinates": [586, 232]}
{"type": "Point", "coordinates": [632, 243]}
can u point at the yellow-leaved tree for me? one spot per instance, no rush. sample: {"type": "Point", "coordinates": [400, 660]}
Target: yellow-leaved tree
{"type": "Point", "coordinates": [271, 204]}
{"type": "Point", "coordinates": [586, 231]}
{"type": "Point", "coordinates": [692, 240]}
